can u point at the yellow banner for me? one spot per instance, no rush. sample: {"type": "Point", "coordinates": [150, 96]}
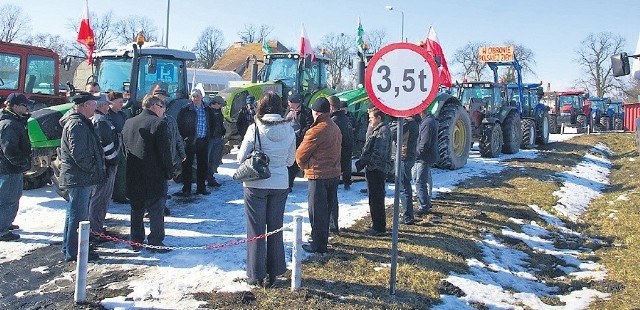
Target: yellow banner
{"type": "Point", "coordinates": [495, 53]}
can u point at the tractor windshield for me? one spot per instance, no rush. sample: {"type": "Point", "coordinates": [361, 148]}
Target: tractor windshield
{"type": "Point", "coordinates": [168, 75]}
{"type": "Point", "coordinates": [570, 100]}
{"type": "Point", "coordinates": [616, 107]}
{"type": "Point", "coordinates": [597, 105]}
{"type": "Point", "coordinates": [9, 71]}
{"type": "Point", "coordinates": [113, 73]}
{"type": "Point", "coordinates": [283, 69]}
{"type": "Point", "coordinates": [476, 91]}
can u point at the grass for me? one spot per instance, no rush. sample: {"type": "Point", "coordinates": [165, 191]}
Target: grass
{"type": "Point", "coordinates": [356, 274]}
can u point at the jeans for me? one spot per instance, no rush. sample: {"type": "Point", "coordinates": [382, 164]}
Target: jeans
{"type": "Point", "coordinates": [265, 211]}
{"type": "Point", "coordinates": [216, 148]}
{"type": "Point", "coordinates": [77, 211]}
{"type": "Point", "coordinates": [424, 186]}
{"type": "Point", "coordinates": [323, 197]}
{"type": "Point", "coordinates": [10, 193]}
{"type": "Point", "coordinates": [406, 192]}
{"type": "Point", "coordinates": [155, 207]}
{"type": "Point", "coordinates": [101, 199]}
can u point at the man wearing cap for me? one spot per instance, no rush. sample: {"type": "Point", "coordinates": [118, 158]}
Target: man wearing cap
{"type": "Point", "coordinates": [81, 168]}
{"type": "Point", "coordinates": [15, 158]}
{"type": "Point", "coordinates": [193, 124]}
{"type": "Point", "coordinates": [301, 119]}
{"type": "Point", "coordinates": [319, 156]}
{"type": "Point", "coordinates": [216, 138]}
{"type": "Point", "coordinates": [110, 142]}
{"type": "Point", "coordinates": [149, 166]}
{"type": "Point", "coordinates": [246, 115]}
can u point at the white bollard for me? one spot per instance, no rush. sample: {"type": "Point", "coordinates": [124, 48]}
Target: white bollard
{"type": "Point", "coordinates": [82, 260]}
{"type": "Point", "coordinates": [296, 273]}
{"type": "Point", "coordinates": [562, 129]}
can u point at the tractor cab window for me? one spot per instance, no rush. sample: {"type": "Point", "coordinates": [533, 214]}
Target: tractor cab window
{"type": "Point", "coordinates": [597, 105]}
{"type": "Point", "coordinates": [475, 95]}
{"type": "Point", "coordinates": [9, 71]}
{"type": "Point", "coordinates": [40, 75]}
{"type": "Point", "coordinates": [283, 69]}
{"type": "Point", "coordinates": [568, 101]}
{"type": "Point", "coordinates": [315, 77]}
{"type": "Point", "coordinates": [168, 75]}
{"type": "Point", "coordinates": [113, 73]}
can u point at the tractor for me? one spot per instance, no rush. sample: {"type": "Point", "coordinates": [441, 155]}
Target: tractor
{"type": "Point", "coordinates": [136, 70]}
{"type": "Point", "coordinates": [615, 116]}
{"type": "Point", "coordinates": [282, 73]}
{"type": "Point", "coordinates": [570, 111]}
{"type": "Point", "coordinates": [535, 114]}
{"type": "Point", "coordinates": [598, 119]}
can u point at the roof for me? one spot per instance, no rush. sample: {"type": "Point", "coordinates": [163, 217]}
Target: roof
{"type": "Point", "coordinates": [148, 48]}
{"type": "Point", "coordinates": [565, 93]}
{"type": "Point", "coordinates": [235, 57]}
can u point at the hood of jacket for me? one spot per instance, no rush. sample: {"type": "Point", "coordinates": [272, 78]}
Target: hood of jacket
{"type": "Point", "coordinates": [6, 113]}
{"type": "Point", "coordinates": [273, 126]}
{"type": "Point", "coordinates": [71, 114]}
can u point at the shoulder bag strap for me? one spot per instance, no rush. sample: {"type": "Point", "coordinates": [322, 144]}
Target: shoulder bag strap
{"type": "Point", "coordinates": [257, 137]}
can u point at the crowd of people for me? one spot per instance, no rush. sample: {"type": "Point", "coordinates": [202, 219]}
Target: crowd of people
{"type": "Point", "coordinates": [99, 144]}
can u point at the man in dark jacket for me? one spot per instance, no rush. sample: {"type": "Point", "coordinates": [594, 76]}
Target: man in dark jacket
{"type": "Point", "coordinates": [301, 119]}
{"type": "Point", "coordinates": [15, 158]}
{"type": "Point", "coordinates": [319, 156]}
{"type": "Point", "coordinates": [376, 158]}
{"type": "Point", "coordinates": [149, 166]}
{"type": "Point", "coordinates": [81, 167]}
{"type": "Point", "coordinates": [344, 123]}
{"type": "Point", "coordinates": [193, 124]}
{"type": "Point", "coordinates": [216, 138]}
{"type": "Point", "coordinates": [408, 156]}
{"type": "Point", "coordinates": [245, 116]}
{"type": "Point", "coordinates": [426, 156]}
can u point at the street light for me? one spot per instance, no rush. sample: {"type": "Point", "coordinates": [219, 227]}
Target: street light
{"type": "Point", "coordinates": [390, 8]}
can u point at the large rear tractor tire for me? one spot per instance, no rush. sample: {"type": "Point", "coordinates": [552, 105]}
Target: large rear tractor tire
{"type": "Point", "coordinates": [617, 124]}
{"type": "Point", "coordinates": [528, 133]}
{"type": "Point", "coordinates": [55, 179]}
{"type": "Point", "coordinates": [605, 123]}
{"type": "Point", "coordinates": [553, 124]}
{"type": "Point", "coordinates": [512, 131]}
{"type": "Point", "coordinates": [454, 137]}
{"type": "Point", "coordinates": [36, 180]}
{"type": "Point", "coordinates": [581, 122]}
{"type": "Point", "coordinates": [491, 140]}
{"type": "Point", "coordinates": [542, 132]}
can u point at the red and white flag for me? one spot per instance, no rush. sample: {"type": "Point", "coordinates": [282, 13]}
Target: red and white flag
{"type": "Point", "coordinates": [85, 33]}
{"type": "Point", "coordinates": [433, 47]}
{"type": "Point", "coordinates": [305, 45]}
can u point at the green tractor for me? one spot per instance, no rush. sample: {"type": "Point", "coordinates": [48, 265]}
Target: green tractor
{"type": "Point", "coordinates": [282, 73]}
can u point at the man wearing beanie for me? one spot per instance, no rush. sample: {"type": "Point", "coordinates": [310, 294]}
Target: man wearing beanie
{"type": "Point", "coordinates": [319, 156]}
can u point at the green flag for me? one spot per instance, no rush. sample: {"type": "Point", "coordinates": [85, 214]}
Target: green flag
{"type": "Point", "coordinates": [266, 48]}
{"type": "Point", "coordinates": [359, 34]}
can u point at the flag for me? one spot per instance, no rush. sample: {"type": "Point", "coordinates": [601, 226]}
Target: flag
{"type": "Point", "coordinates": [266, 48]}
{"type": "Point", "coordinates": [85, 33]}
{"type": "Point", "coordinates": [434, 48]}
{"type": "Point", "coordinates": [305, 45]}
{"type": "Point", "coordinates": [359, 34]}
{"type": "Point", "coordinates": [635, 69]}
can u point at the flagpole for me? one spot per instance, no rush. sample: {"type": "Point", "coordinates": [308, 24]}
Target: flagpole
{"type": "Point", "coordinates": [166, 42]}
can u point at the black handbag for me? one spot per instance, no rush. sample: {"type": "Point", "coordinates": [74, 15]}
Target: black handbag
{"type": "Point", "coordinates": [256, 166]}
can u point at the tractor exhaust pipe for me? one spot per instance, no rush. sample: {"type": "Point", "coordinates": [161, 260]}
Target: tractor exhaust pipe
{"type": "Point", "coordinates": [254, 70]}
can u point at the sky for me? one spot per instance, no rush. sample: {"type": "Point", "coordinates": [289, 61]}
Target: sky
{"type": "Point", "coordinates": [499, 278]}
{"type": "Point", "coordinates": [552, 29]}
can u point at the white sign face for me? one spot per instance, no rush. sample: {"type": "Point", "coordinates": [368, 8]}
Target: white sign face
{"type": "Point", "coordinates": [401, 79]}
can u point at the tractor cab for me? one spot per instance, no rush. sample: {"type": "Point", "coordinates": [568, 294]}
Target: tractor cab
{"type": "Point", "coordinates": [297, 74]}
{"type": "Point", "coordinates": [572, 110]}
{"type": "Point", "coordinates": [482, 100]}
{"type": "Point", "coordinates": [596, 108]}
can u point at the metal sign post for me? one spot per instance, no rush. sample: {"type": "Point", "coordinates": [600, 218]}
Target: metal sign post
{"type": "Point", "coordinates": [401, 80]}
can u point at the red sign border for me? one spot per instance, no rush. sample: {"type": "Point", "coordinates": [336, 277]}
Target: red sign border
{"type": "Point", "coordinates": [391, 111]}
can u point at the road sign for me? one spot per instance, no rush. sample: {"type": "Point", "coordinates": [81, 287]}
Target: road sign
{"type": "Point", "coordinates": [402, 79]}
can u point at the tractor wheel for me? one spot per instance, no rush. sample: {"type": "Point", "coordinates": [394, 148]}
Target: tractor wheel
{"type": "Point", "coordinates": [605, 123]}
{"type": "Point", "coordinates": [454, 137]}
{"type": "Point", "coordinates": [581, 122]}
{"type": "Point", "coordinates": [55, 179]}
{"type": "Point", "coordinates": [542, 134]}
{"type": "Point", "coordinates": [512, 129]}
{"type": "Point", "coordinates": [617, 124]}
{"type": "Point", "coordinates": [528, 133]}
{"type": "Point", "coordinates": [491, 140]}
{"type": "Point", "coordinates": [36, 180]}
{"type": "Point", "coordinates": [553, 124]}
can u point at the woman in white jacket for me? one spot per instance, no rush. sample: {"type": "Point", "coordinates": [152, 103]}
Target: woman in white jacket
{"type": "Point", "coordinates": [264, 200]}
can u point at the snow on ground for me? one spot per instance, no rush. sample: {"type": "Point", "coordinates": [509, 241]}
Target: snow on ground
{"type": "Point", "coordinates": [167, 280]}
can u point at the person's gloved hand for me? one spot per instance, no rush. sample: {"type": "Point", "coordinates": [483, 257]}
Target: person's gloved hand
{"type": "Point", "coordinates": [360, 164]}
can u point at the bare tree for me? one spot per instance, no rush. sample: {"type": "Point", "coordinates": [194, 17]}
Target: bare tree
{"type": "Point", "coordinates": [251, 34]}
{"type": "Point", "coordinates": [53, 42]}
{"type": "Point", "coordinates": [467, 57]}
{"type": "Point", "coordinates": [209, 47]}
{"type": "Point", "coordinates": [375, 39]}
{"type": "Point", "coordinates": [593, 58]}
{"type": "Point", "coordinates": [14, 23]}
{"type": "Point", "coordinates": [103, 29]}
{"type": "Point", "coordinates": [128, 28]}
{"type": "Point", "coordinates": [340, 51]}
{"type": "Point", "coordinates": [631, 92]}
{"type": "Point", "coordinates": [526, 59]}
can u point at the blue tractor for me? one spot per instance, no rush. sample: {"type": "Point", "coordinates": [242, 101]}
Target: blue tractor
{"type": "Point", "coordinates": [615, 115]}
{"type": "Point", "coordinates": [598, 119]}
{"type": "Point", "coordinates": [535, 114]}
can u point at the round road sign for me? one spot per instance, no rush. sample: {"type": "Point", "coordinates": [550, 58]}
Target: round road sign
{"type": "Point", "coordinates": [402, 79]}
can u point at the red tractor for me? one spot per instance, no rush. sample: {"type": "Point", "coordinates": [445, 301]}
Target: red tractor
{"type": "Point", "coordinates": [570, 110]}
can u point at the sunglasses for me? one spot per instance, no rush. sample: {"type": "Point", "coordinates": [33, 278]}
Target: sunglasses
{"type": "Point", "coordinates": [161, 106]}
